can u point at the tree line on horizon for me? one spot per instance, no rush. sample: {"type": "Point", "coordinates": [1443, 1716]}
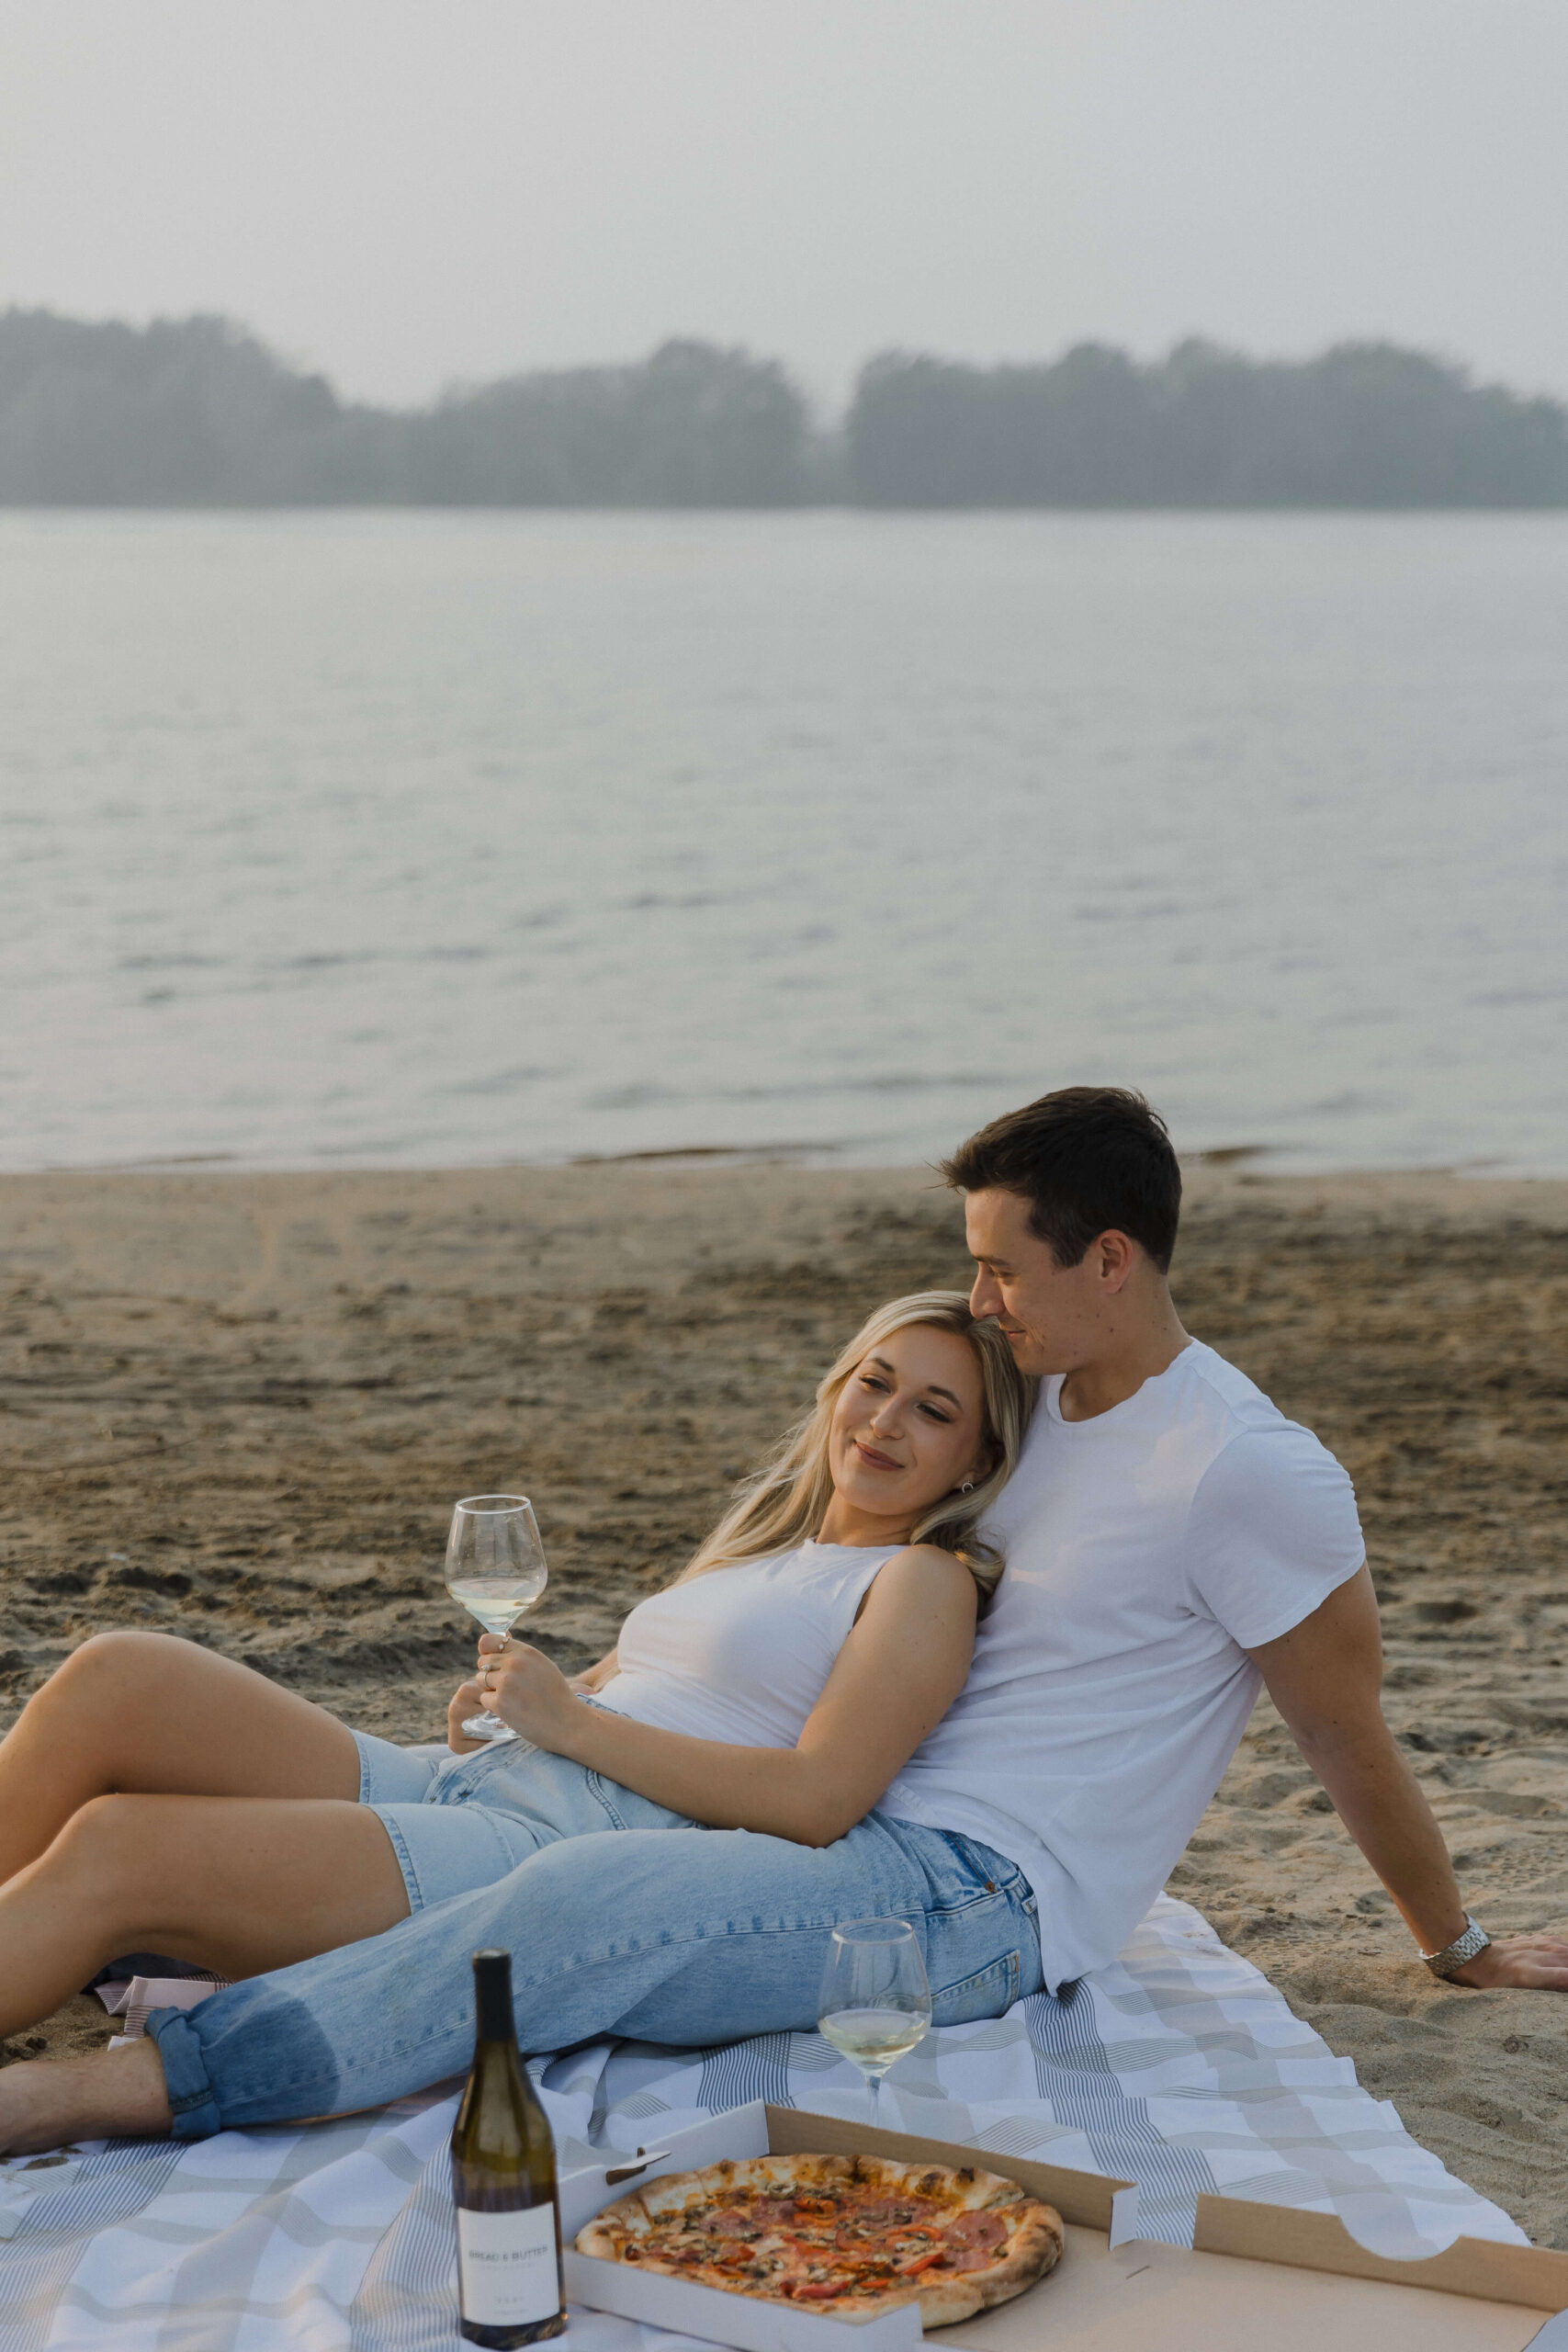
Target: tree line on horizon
{"type": "Point", "coordinates": [198, 412]}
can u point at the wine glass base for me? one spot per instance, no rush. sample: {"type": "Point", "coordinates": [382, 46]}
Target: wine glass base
{"type": "Point", "coordinates": [490, 1727]}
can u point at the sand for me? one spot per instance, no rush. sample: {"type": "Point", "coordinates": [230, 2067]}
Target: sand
{"type": "Point", "coordinates": [239, 1407]}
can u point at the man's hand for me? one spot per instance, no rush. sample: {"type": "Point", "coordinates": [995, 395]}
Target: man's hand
{"type": "Point", "coordinates": [1538, 1963]}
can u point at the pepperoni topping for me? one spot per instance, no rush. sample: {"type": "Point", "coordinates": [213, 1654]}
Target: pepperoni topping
{"type": "Point", "coordinates": [982, 2230]}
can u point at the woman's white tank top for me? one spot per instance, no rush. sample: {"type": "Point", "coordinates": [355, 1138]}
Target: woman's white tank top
{"type": "Point", "coordinates": [742, 1653]}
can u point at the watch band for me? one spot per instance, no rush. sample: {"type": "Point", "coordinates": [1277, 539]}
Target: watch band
{"type": "Point", "coordinates": [1453, 1957]}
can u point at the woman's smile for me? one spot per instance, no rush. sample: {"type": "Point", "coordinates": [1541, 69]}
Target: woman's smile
{"type": "Point", "coordinates": [875, 1460]}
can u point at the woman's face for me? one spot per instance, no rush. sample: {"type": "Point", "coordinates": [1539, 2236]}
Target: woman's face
{"type": "Point", "coordinates": [906, 1426]}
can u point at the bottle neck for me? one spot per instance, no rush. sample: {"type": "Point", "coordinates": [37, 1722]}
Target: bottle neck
{"type": "Point", "coordinates": [492, 1995]}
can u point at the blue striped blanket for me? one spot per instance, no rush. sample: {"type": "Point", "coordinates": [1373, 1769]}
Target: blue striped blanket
{"type": "Point", "coordinates": [1179, 2067]}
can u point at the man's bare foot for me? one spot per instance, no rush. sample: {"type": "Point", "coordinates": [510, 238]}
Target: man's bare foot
{"type": "Point", "coordinates": [115, 2094]}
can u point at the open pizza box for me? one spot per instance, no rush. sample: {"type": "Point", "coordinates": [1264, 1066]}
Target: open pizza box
{"type": "Point", "coordinates": [1257, 2275]}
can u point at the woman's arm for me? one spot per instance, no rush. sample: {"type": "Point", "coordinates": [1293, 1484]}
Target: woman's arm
{"type": "Point", "coordinates": [902, 1666]}
{"type": "Point", "coordinates": [594, 1677]}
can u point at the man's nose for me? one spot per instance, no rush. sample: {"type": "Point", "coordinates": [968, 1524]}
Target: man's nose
{"type": "Point", "coordinates": [985, 1298]}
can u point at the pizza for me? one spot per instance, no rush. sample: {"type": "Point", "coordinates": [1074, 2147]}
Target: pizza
{"type": "Point", "coordinates": [848, 2236]}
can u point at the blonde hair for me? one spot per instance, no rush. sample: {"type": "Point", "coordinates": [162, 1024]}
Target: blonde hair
{"type": "Point", "coordinates": [785, 1501]}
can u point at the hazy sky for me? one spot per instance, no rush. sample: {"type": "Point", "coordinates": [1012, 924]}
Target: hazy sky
{"type": "Point", "coordinates": [406, 194]}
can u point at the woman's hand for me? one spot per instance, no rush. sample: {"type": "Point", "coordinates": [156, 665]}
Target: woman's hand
{"type": "Point", "coordinates": [466, 1700]}
{"type": "Point", "coordinates": [527, 1692]}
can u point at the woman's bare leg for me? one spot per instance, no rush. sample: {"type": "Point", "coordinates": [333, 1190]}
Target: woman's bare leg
{"type": "Point", "coordinates": [237, 1884]}
{"type": "Point", "coordinates": [275, 1881]}
{"type": "Point", "coordinates": [153, 1716]}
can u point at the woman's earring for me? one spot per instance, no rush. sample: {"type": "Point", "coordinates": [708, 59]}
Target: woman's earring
{"type": "Point", "coordinates": [967, 1487]}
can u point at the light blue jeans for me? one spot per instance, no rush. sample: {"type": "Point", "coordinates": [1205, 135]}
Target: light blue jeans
{"type": "Point", "coordinates": [666, 1933]}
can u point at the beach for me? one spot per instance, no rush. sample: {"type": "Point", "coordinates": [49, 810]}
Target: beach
{"type": "Point", "coordinates": [239, 1407]}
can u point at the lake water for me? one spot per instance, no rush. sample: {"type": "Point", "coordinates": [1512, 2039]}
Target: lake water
{"type": "Point", "coordinates": [424, 839]}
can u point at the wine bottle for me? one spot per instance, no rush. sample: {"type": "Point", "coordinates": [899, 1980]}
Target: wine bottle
{"type": "Point", "coordinates": [503, 2183]}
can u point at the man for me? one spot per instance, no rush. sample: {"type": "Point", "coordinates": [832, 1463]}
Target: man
{"type": "Point", "coordinates": [1171, 1539]}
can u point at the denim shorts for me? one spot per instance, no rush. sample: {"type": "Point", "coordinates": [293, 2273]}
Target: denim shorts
{"type": "Point", "coordinates": [461, 1822]}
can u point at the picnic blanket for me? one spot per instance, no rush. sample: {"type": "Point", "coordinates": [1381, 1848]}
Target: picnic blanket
{"type": "Point", "coordinates": [1178, 2067]}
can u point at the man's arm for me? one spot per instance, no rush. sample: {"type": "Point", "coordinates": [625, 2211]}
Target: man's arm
{"type": "Point", "coordinates": [1325, 1678]}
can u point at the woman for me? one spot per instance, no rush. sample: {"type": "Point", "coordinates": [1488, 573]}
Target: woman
{"type": "Point", "coordinates": [154, 1797]}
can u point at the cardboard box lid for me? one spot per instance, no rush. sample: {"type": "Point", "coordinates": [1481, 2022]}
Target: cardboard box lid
{"type": "Point", "coordinates": [1532, 2276]}
{"type": "Point", "coordinates": [1271, 2275]}
{"type": "Point", "coordinates": [1105, 2299]}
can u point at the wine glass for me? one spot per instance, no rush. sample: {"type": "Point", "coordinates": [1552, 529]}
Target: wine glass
{"type": "Point", "coordinates": [495, 1566]}
{"type": "Point", "coordinates": [874, 2002]}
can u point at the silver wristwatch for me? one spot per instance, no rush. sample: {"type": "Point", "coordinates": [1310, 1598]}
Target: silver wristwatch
{"type": "Point", "coordinates": [1457, 1955]}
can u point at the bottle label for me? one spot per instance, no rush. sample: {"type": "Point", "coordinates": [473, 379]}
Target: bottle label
{"type": "Point", "coordinates": [507, 2272]}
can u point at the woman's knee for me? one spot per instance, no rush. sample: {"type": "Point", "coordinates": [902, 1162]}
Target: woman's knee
{"type": "Point", "coordinates": [106, 1870]}
{"type": "Point", "coordinates": [98, 1673]}
{"type": "Point", "coordinates": [109, 1838]}
{"type": "Point", "coordinates": [124, 1661]}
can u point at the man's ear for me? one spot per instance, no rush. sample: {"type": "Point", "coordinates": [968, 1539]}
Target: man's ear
{"type": "Point", "coordinates": [1118, 1256]}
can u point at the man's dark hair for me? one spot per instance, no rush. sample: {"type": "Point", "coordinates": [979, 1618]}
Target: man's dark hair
{"type": "Point", "coordinates": [1088, 1159]}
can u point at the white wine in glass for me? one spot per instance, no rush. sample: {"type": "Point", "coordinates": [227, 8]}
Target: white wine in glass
{"type": "Point", "coordinates": [495, 1566]}
{"type": "Point", "coordinates": [874, 2002]}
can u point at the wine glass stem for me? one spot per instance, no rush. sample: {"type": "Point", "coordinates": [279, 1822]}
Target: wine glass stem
{"type": "Point", "coordinates": [876, 2102]}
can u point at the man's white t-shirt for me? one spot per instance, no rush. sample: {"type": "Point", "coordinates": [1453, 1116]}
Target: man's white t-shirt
{"type": "Point", "coordinates": [1147, 1551]}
